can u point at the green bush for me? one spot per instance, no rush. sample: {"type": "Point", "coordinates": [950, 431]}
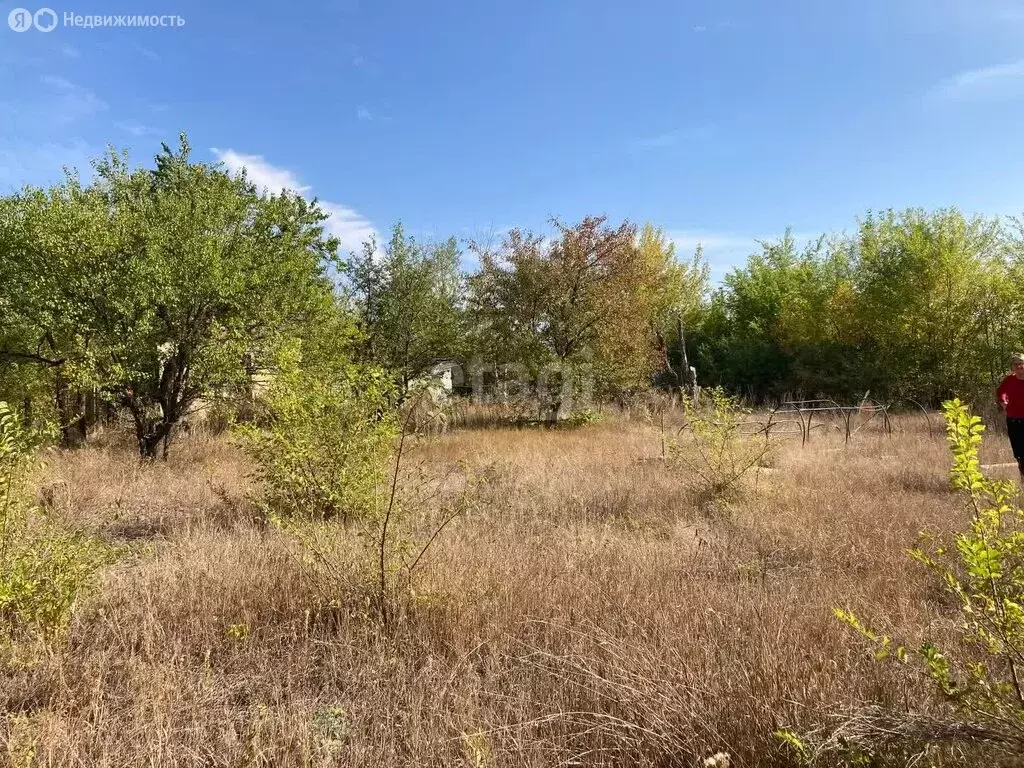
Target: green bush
{"type": "Point", "coordinates": [43, 569]}
{"type": "Point", "coordinates": [582, 417]}
{"type": "Point", "coordinates": [44, 576]}
{"type": "Point", "coordinates": [322, 440]}
{"type": "Point", "coordinates": [712, 448]}
{"type": "Point", "coordinates": [981, 677]}
{"type": "Point", "coordinates": [983, 572]}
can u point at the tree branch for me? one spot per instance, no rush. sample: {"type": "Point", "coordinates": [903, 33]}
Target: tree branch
{"type": "Point", "coordinates": [15, 357]}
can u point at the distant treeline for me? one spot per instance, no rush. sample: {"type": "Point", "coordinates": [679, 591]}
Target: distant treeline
{"type": "Point", "coordinates": [150, 290]}
{"type": "Point", "coordinates": [913, 306]}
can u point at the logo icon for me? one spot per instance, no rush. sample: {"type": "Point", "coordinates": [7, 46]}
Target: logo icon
{"type": "Point", "coordinates": [20, 20]}
{"type": "Point", "coordinates": [45, 19]}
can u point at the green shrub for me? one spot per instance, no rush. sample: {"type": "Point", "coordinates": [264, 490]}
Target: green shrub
{"type": "Point", "coordinates": [43, 569]}
{"type": "Point", "coordinates": [981, 678]}
{"type": "Point", "coordinates": [713, 449]}
{"type": "Point", "coordinates": [582, 417]}
{"type": "Point", "coordinates": [44, 575]}
{"type": "Point", "coordinates": [321, 441]}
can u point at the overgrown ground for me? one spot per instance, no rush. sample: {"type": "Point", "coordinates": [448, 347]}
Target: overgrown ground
{"type": "Point", "coordinates": [588, 609]}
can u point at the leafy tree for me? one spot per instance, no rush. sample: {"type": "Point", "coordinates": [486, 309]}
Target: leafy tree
{"type": "Point", "coordinates": [676, 293]}
{"type": "Point", "coordinates": [408, 299]}
{"type": "Point", "coordinates": [581, 301]}
{"type": "Point", "coordinates": [922, 279]}
{"type": "Point", "coordinates": [39, 327]}
{"type": "Point", "coordinates": [160, 287]}
{"type": "Point", "coordinates": [913, 306]}
{"type": "Point", "coordinates": [816, 327]}
{"type": "Point", "coordinates": [741, 343]}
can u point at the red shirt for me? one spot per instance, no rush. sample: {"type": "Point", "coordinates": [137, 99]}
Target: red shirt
{"type": "Point", "coordinates": [1011, 394]}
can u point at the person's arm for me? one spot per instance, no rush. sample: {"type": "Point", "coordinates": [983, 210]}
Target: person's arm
{"type": "Point", "coordinates": [1002, 393]}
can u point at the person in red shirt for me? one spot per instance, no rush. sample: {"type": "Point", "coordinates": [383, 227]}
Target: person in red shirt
{"type": "Point", "coordinates": [1010, 397]}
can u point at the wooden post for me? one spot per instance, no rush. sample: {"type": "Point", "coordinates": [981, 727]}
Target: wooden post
{"type": "Point", "coordinates": [684, 360]}
{"type": "Point", "coordinates": [687, 373]}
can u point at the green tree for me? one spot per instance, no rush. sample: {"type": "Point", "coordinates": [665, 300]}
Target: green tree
{"type": "Point", "coordinates": [914, 306]}
{"type": "Point", "coordinates": [926, 302]}
{"type": "Point", "coordinates": [323, 437]}
{"type": "Point", "coordinates": [741, 345]}
{"type": "Point", "coordinates": [409, 302]}
{"type": "Point", "coordinates": [676, 293]}
{"type": "Point", "coordinates": [160, 287]}
{"type": "Point", "coordinates": [580, 301]}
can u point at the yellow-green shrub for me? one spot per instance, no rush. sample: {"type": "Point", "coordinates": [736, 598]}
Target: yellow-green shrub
{"type": "Point", "coordinates": [981, 678]}
{"type": "Point", "coordinates": [322, 440]}
{"type": "Point", "coordinates": [712, 448]}
{"type": "Point", "coordinates": [43, 569]}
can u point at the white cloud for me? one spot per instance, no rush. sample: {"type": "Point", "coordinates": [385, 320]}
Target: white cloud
{"type": "Point", "coordinates": [69, 51]}
{"type": "Point", "coordinates": [364, 114]}
{"type": "Point", "coordinates": [137, 129]}
{"type": "Point", "coordinates": [700, 28]}
{"type": "Point", "coordinates": [56, 104]}
{"type": "Point", "coordinates": [350, 227]}
{"type": "Point", "coordinates": [25, 162]}
{"type": "Point", "coordinates": [261, 173]}
{"type": "Point", "coordinates": [673, 138]}
{"type": "Point", "coordinates": [149, 53]}
{"type": "Point", "coordinates": [71, 102]}
{"type": "Point", "coordinates": [998, 81]}
{"type": "Point", "coordinates": [722, 250]}
{"type": "Point", "coordinates": [1009, 13]}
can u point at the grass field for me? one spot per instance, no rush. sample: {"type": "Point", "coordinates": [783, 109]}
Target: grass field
{"type": "Point", "coordinates": [588, 608]}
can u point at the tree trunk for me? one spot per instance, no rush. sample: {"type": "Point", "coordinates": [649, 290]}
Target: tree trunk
{"type": "Point", "coordinates": [151, 436]}
{"type": "Point", "coordinates": [666, 359]}
{"type": "Point", "coordinates": [152, 430]}
{"type": "Point", "coordinates": [174, 399]}
{"type": "Point", "coordinates": [81, 423]}
{"type": "Point", "coordinates": [69, 413]}
{"type": "Point", "coordinates": [147, 446]}
{"type": "Point", "coordinates": [559, 395]}
{"type": "Point", "coordinates": [109, 414]}
{"type": "Point", "coordinates": [688, 376]}
{"type": "Point", "coordinates": [27, 412]}
{"type": "Point", "coordinates": [684, 360]}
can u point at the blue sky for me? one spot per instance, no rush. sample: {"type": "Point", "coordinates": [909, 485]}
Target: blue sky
{"type": "Point", "coordinates": [722, 121]}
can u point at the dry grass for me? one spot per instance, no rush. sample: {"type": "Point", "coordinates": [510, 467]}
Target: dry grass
{"type": "Point", "coordinates": [587, 611]}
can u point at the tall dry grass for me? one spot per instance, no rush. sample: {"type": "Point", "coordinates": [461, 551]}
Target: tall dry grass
{"type": "Point", "coordinates": [587, 610]}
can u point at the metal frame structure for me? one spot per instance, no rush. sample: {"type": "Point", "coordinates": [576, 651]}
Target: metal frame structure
{"type": "Point", "coordinates": [803, 413]}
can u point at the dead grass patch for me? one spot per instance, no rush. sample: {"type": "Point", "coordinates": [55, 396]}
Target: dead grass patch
{"type": "Point", "coordinates": [585, 612]}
